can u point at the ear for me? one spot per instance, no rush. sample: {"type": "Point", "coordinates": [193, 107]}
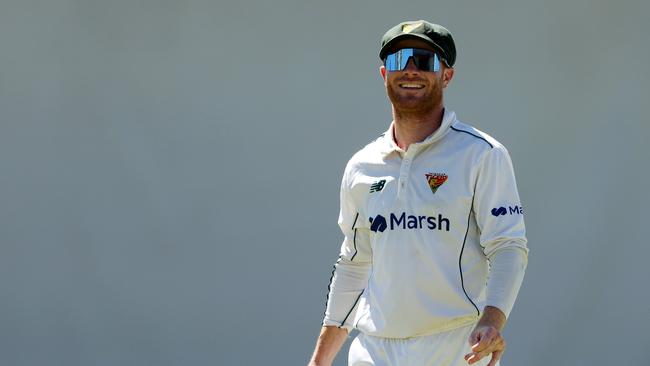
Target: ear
{"type": "Point", "coordinates": [447, 75]}
{"type": "Point", "coordinates": [382, 71]}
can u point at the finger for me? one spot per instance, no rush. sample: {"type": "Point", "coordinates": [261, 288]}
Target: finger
{"type": "Point", "coordinates": [486, 340]}
{"type": "Point", "coordinates": [497, 346]}
{"type": "Point", "coordinates": [474, 357]}
{"type": "Point", "coordinates": [474, 338]}
{"type": "Point", "coordinates": [471, 358]}
{"type": "Point", "coordinates": [477, 348]}
{"type": "Point", "coordinates": [495, 358]}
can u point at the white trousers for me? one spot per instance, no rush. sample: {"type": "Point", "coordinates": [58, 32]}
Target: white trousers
{"type": "Point", "coordinates": [440, 349]}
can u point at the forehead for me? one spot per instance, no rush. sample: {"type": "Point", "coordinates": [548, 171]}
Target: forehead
{"type": "Point", "coordinates": [412, 43]}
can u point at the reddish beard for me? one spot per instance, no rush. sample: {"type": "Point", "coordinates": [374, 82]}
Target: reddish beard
{"type": "Point", "coordinates": [411, 105]}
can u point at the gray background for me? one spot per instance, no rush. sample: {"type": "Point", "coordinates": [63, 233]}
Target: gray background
{"type": "Point", "coordinates": [169, 171]}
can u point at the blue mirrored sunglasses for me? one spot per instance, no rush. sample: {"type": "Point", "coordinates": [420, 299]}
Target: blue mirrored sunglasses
{"type": "Point", "coordinates": [425, 60]}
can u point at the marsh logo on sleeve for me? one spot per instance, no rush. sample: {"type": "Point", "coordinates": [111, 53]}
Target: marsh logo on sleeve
{"type": "Point", "coordinates": [511, 210]}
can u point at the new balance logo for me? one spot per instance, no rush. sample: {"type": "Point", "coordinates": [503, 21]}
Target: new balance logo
{"type": "Point", "coordinates": [377, 186]}
{"type": "Point", "coordinates": [512, 210]}
{"type": "Point", "coordinates": [405, 222]}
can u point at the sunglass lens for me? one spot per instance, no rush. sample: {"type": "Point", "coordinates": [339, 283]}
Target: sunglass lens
{"type": "Point", "coordinates": [426, 60]}
{"type": "Point", "coordinates": [397, 61]}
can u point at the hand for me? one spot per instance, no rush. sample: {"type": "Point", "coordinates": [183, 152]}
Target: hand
{"type": "Point", "coordinates": [485, 340]}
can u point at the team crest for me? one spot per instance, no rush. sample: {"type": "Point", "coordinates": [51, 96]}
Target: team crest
{"type": "Point", "coordinates": [435, 180]}
{"type": "Point", "coordinates": [410, 27]}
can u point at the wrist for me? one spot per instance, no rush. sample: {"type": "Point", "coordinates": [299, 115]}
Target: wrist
{"type": "Point", "coordinates": [314, 363]}
{"type": "Point", "coordinates": [320, 361]}
{"type": "Point", "coordinates": [493, 317]}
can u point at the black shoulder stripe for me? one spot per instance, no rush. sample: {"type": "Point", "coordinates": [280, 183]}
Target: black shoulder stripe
{"type": "Point", "coordinates": [469, 133]}
{"type": "Point", "coordinates": [329, 286]}
{"type": "Point", "coordinates": [354, 238]}
{"type": "Point", "coordinates": [353, 305]}
{"type": "Point", "coordinates": [460, 259]}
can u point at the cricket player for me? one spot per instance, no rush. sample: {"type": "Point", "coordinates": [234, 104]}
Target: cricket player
{"type": "Point", "coordinates": [435, 248]}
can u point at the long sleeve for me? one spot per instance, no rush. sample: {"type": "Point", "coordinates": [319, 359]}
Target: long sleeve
{"type": "Point", "coordinates": [499, 216]}
{"type": "Point", "coordinates": [351, 271]}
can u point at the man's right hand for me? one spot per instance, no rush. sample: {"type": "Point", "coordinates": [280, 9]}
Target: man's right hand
{"type": "Point", "coordinates": [329, 343]}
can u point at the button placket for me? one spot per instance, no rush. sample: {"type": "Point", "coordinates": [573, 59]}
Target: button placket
{"type": "Point", "coordinates": [405, 171]}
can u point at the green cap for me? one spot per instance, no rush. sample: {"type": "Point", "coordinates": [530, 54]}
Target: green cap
{"type": "Point", "coordinates": [436, 35]}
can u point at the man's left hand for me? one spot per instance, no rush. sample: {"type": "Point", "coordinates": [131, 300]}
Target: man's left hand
{"type": "Point", "coordinates": [486, 338]}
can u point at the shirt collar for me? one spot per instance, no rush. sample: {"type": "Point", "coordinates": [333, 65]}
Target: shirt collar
{"type": "Point", "coordinates": [389, 145]}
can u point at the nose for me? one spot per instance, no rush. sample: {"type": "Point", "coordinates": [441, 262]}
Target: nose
{"type": "Point", "coordinates": [410, 65]}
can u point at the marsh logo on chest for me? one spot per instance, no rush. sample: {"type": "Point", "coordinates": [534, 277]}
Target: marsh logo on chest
{"type": "Point", "coordinates": [408, 222]}
{"type": "Point", "coordinates": [435, 180]}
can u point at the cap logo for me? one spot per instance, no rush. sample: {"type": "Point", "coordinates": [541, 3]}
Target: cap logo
{"type": "Point", "coordinates": [409, 28]}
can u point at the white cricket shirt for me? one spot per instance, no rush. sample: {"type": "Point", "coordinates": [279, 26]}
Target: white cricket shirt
{"type": "Point", "coordinates": [421, 229]}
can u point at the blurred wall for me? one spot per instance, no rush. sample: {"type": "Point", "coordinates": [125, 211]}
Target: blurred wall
{"type": "Point", "coordinates": [169, 171]}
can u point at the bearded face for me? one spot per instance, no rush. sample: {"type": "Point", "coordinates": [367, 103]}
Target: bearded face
{"type": "Point", "coordinates": [414, 92]}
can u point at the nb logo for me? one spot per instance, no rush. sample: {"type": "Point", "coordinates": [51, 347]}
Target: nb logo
{"type": "Point", "coordinates": [377, 186]}
{"type": "Point", "coordinates": [502, 211]}
{"type": "Point", "coordinates": [378, 223]}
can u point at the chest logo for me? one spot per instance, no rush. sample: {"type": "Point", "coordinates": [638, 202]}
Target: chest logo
{"type": "Point", "coordinates": [377, 186]}
{"type": "Point", "coordinates": [435, 180]}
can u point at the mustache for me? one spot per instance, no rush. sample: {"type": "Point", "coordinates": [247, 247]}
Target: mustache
{"type": "Point", "coordinates": [409, 79]}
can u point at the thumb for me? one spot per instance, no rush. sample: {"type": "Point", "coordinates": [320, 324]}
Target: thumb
{"type": "Point", "coordinates": [474, 337]}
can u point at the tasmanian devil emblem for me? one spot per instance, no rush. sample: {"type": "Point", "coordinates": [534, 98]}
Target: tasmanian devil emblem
{"type": "Point", "coordinates": [435, 180]}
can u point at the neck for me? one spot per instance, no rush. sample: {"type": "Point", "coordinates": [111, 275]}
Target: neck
{"type": "Point", "coordinates": [412, 128]}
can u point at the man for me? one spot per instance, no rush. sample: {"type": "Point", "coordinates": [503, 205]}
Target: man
{"type": "Point", "coordinates": [435, 248]}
